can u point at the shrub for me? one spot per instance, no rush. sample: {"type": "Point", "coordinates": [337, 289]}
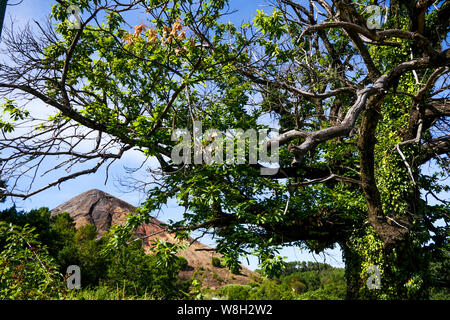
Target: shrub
{"type": "Point", "coordinates": [138, 273]}
{"type": "Point", "coordinates": [297, 286]}
{"type": "Point", "coordinates": [27, 270]}
{"type": "Point", "coordinates": [215, 261]}
{"type": "Point", "coordinates": [85, 233]}
{"type": "Point", "coordinates": [182, 263]}
{"type": "Point", "coordinates": [271, 290]}
{"type": "Point", "coordinates": [236, 292]}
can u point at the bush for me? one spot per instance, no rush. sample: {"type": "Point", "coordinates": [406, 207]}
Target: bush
{"type": "Point", "coordinates": [93, 263]}
{"type": "Point", "coordinates": [215, 261]}
{"type": "Point", "coordinates": [268, 290]}
{"type": "Point", "coordinates": [85, 233]}
{"type": "Point", "coordinates": [137, 273]}
{"type": "Point", "coordinates": [182, 263]}
{"type": "Point", "coordinates": [297, 286]}
{"type": "Point", "coordinates": [27, 270]}
{"type": "Point", "coordinates": [85, 251]}
{"type": "Point", "coordinates": [236, 292]}
{"type": "Point", "coordinates": [271, 290]}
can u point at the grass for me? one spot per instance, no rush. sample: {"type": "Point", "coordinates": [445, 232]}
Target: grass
{"type": "Point", "coordinates": [103, 293]}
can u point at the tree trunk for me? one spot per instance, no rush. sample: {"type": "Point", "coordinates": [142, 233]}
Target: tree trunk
{"type": "Point", "coordinates": [385, 243]}
{"type": "Point", "coordinates": [352, 271]}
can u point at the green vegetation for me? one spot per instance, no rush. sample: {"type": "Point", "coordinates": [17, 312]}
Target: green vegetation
{"type": "Point", "coordinates": [440, 274]}
{"type": "Point", "coordinates": [299, 281]}
{"type": "Point", "coordinates": [215, 261]}
{"type": "Point", "coordinates": [36, 251]}
{"type": "Point", "coordinates": [363, 145]}
{"type": "Point", "coordinates": [27, 270]}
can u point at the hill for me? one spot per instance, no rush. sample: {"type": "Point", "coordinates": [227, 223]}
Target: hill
{"type": "Point", "coordinates": [103, 210]}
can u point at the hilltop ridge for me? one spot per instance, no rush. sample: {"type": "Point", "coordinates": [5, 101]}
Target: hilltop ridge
{"type": "Point", "coordinates": [103, 210]}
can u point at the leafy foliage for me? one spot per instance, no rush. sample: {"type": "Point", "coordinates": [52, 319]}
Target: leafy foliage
{"type": "Point", "coordinates": [300, 280]}
{"type": "Point", "coordinates": [360, 110]}
{"type": "Point", "coordinates": [31, 271]}
{"type": "Point", "coordinates": [215, 261]}
{"type": "Point", "coordinates": [27, 270]}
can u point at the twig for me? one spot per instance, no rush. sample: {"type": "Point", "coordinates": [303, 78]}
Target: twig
{"type": "Point", "coordinates": [402, 226]}
{"type": "Point", "coordinates": [415, 140]}
{"type": "Point", "coordinates": [406, 164]}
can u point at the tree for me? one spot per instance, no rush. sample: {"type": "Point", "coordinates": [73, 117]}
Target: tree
{"type": "Point", "coordinates": [130, 268]}
{"type": "Point", "coordinates": [361, 107]}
